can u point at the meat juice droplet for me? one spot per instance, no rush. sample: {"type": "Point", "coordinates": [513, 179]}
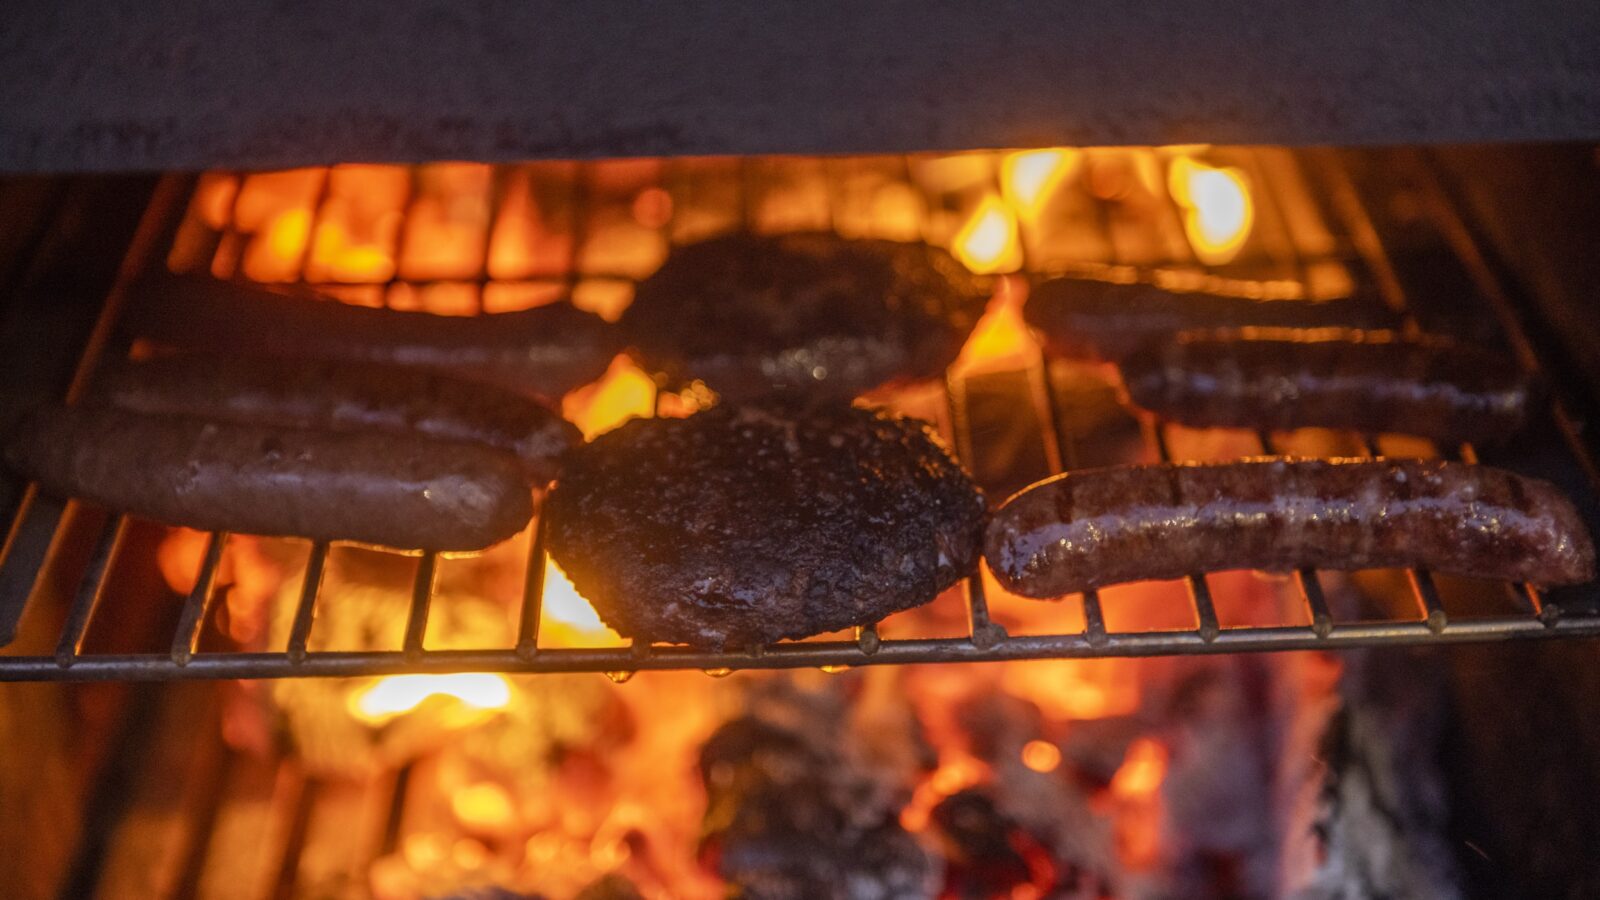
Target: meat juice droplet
{"type": "Point", "coordinates": [718, 673]}
{"type": "Point", "coordinates": [620, 676]}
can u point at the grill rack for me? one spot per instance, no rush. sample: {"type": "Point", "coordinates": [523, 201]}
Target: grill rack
{"type": "Point", "coordinates": [29, 549]}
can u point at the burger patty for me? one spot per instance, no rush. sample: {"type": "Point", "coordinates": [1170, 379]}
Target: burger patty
{"type": "Point", "coordinates": [815, 313]}
{"type": "Point", "coordinates": [744, 525]}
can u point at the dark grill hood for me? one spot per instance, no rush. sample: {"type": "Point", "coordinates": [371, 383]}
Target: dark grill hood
{"type": "Point", "coordinates": [100, 85]}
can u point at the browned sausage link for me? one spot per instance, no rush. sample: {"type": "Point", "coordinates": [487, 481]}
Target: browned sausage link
{"type": "Point", "coordinates": [545, 351]}
{"type": "Point", "coordinates": [342, 396]}
{"type": "Point", "coordinates": [1372, 381]}
{"type": "Point", "coordinates": [1089, 529]}
{"type": "Point", "coordinates": [404, 492]}
{"type": "Point", "coordinates": [1082, 318]}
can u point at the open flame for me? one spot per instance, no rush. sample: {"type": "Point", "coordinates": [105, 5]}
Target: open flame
{"type": "Point", "coordinates": [989, 242]}
{"type": "Point", "coordinates": [1218, 209]}
{"type": "Point", "coordinates": [394, 695]}
{"type": "Point", "coordinates": [1029, 179]}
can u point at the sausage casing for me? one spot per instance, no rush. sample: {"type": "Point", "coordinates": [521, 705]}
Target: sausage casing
{"type": "Point", "coordinates": [545, 351]}
{"type": "Point", "coordinates": [407, 492]}
{"type": "Point", "coordinates": [1371, 381]}
{"type": "Point", "coordinates": [1089, 529]}
{"type": "Point", "coordinates": [1083, 318]}
{"type": "Point", "coordinates": [343, 396]}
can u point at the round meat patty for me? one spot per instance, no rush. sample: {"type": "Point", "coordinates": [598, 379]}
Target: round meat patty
{"type": "Point", "coordinates": [752, 315]}
{"type": "Point", "coordinates": [744, 525]}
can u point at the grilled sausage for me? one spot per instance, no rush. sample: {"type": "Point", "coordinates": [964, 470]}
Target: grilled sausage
{"type": "Point", "coordinates": [545, 351]}
{"type": "Point", "coordinates": [1081, 318]}
{"type": "Point", "coordinates": [343, 397]}
{"type": "Point", "coordinates": [1372, 381]}
{"type": "Point", "coordinates": [1085, 530]}
{"type": "Point", "coordinates": [404, 492]}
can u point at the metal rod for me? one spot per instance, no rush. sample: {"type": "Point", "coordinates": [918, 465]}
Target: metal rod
{"type": "Point", "coordinates": [90, 590]}
{"type": "Point", "coordinates": [305, 612]}
{"type": "Point", "coordinates": [803, 654]}
{"type": "Point", "coordinates": [187, 636]}
{"type": "Point", "coordinates": [1094, 620]}
{"type": "Point", "coordinates": [1316, 602]}
{"type": "Point", "coordinates": [421, 598]}
{"type": "Point", "coordinates": [1427, 599]}
{"type": "Point", "coordinates": [532, 594]}
{"type": "Point", "coordinates": [1205, 611]}
{"type": "Point", "coordinates": [23, 557]}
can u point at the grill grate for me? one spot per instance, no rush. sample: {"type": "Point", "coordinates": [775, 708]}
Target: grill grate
{"type": "Point", "coordinates": [1298, 256]}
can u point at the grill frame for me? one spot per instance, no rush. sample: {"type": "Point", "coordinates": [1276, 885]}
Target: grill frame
{"type": "Point", "coordinates": [40, 523]}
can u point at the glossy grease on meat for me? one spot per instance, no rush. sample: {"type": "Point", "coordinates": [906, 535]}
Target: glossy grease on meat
{"type": "Point", "coordinates": [343, 396]}
{"type": "Point", "coordinates": [1089, 529]}
{"type": "Point", "coordinates": [545, 351]}
{"type": "Point", "coordinates": [1084, 318]}
{"type": "Point", "coordinates": [815, 313]}
{"type": "Point", "coordinates": [410, 493]}
{"type": "Point", "coordinates": [745, 525]}
{"type": "Point", "coordinates": [1370, 381]}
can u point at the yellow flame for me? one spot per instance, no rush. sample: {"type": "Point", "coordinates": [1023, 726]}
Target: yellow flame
{"type": "Point", "coordinates": [1041, 756]}
{"type": "Point", "coordinates": [564, 604]}
{"type": "Point", "coordinates": [395, 695]}
{"type": "Point", "coordinates": [623, 393]}
{"type": "Point", "coordinates": [1000, 341]}
{"type": "Point", "coordinates": [989, 241]}
{"type": "Point", "coordinates": [288, 232]}
{"type": "Point", "coordinates": [1028, 179]}
{"type": "Point", "coordinates": [1218, 209]}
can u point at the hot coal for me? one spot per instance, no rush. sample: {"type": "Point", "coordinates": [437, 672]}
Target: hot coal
{"type": "Point", "coordinates": [788, 819]}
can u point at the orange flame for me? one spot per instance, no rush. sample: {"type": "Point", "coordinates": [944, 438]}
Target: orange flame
{"type": "Point", "coordinates": [989, 241]}
{"type": "Point", "coordinates": [395, 695]}
{"type": "Point", "coordinates": [1030, 178]}
{"type": "Point", "coordinates": [1218, 209]}
{"type": "Point", "coordinates": [624, 392]}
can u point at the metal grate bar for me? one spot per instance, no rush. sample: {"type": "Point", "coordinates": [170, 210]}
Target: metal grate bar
{"type": "Point", "coordinates": [305, 612]}
{"type": "Point", "coordinates": [803, 654]}
{"type": "Point", "coordinates": [24, 555]}
{"type": "Point", "coordinates": [981, 630]}
{"type": "Point", "coordinates": [532, 594]}
{"type": "Point", "coordinates": [421, 599]}
{"type": "Point", "coordinates": [1205, 611]}
{"type": "Point", "coordinates": [187, 636]}
{"type": "Point", "coordinates": [90, 590]}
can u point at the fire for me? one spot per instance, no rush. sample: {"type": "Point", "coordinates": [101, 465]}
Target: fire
{"type": "Point", "coordinates": [1000, 341]}
{"type": "Point", "coordinates": [624, 392]}
{"type": "Point", "coordinates": [1218, 209]}
{"type": "Point", "coordinates": [1142, 770]}
{"type": "Point", "coordinates": [395, 695]}
{"type": "Point", "coordinates": [1135, 788]}
{"type": "Point", "coordinates": [1041, 756]}
{"type": "Point", "coordinates": [989, 241]}
{"type": "Point", "coordinates": [579, 625]}
{"type": "Point", "coordinates": [1029, 179]}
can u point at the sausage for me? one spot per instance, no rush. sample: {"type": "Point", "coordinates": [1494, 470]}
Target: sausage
{"type": "Point", "coordinates": [1371, 381]}
{"type": "Point", "coordinates": [1088, 529]}
{"type": "Point", "coordinates": [343, 396]}
{"type": "Point", "coordinates": [545, 351]}
{"type": "Point", "coordinates": [405, 492]}
{"type": "Point", "coordinates": [1080, 318]}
